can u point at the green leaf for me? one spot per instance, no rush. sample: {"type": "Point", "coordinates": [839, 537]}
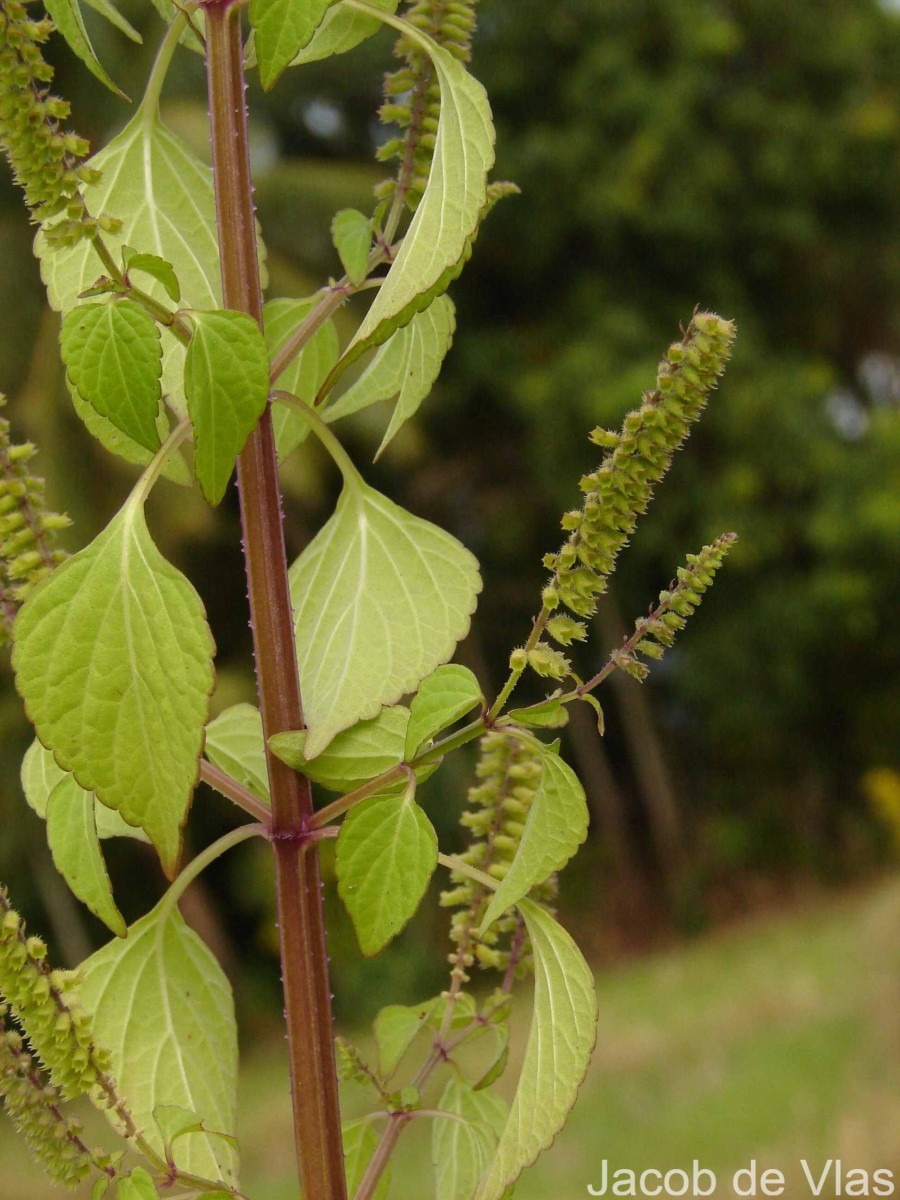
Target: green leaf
{"type": "Point", "coordinates": [381, 598]}
{"type": "Point", "coordinates": [281, 29]}
{"type": "Point", "coordinates": [113, 659]}
{"type": "Point", "coordinates": [360, 1142]}
{"type": "Point", "coordinates": [501, 1056]}
{"type": "Point", "coordinates": [446, 695]}
{"type": "Point", "coordinates": [598, 711]}
{"type": "Point", "coordinates": [174, 1122]}
{"type": "Point", "coordinates": [461, 1148]}
{"type": "Point", "coordinates": [341, 30]}
{"type": "Point", "coordinates": [66, 16]}
{"type": "Point", "coordinates": [351, 232]}
{"type": "Point", "coordinates": [113, 357]}
{"type": "Point", "coordinates": [406, 366]}
{"type": "Point", "coordinates": [396, 1028]}
{"type": "Point", "coordinates": [386, 328]}
{"type": "Point", "coordinates": [40, 775]}
{"type": "Point", "coordinates": [154, 266]}
{"type": "Point", "coordinates": [354, 757]}
{"type": "Point", "coordinates": [451, 206]}
{"type": "Point", "coordinates": [226, 382]}
{"type": "Point", "coordinates": [115, 18]}
{"type": "Point", "coordinates": [386, 854]}
{"type": "Point", "coordinates": [121, 444]}
{"type": "Point", "coordinates": [136, 1186]}
{"type": "Point", "coordinates": [75, 846]}
{"type": "Point", "coordinates": [550, 714]}
{"type": "Point", "coordinates": [562, 1035]}
{"type": "Point", "coordinates": [234, 742]}
{"type": "Point", "coordinates": [163, 195]}
{"type": "Point", "coordinates": [556, 826]}
{"type": "Point", "coordinates": [305, 374]}
{"type": "Point", "coordinates": [101, 1187]}
{"type": "Point", "coordinates": [162, 1007]}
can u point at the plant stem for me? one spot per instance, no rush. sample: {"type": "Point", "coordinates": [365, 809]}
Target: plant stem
{"type": "Point", "coordinates": [235, 792]}
{"type": "Point", "coordinates": [453, 863]}
{"type": "Point", "coordinates": [301, 923]}
{"type": "Point", "coordinates": [516, 674]}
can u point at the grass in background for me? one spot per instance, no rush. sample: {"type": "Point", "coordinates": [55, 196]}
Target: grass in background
{"type": "Point", "coordinates": [776, 1041]}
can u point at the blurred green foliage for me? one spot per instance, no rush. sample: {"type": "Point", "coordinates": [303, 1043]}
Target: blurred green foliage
{"type": "Point", "coordinates": [739, 154]}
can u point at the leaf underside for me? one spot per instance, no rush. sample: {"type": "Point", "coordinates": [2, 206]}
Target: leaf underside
{"type": "Point", "coordinates": [454, 197]}
{"type": "Point", "coordinates": [234, 742]}
{"type": "Point", "coordinates": [560, 1042]}
{"type": "Point", "coordinates": [162, 1007]}
{"type": "Point", "coordinates": [381, 598]}
{"type": "Point", "coordinates": [341, 30]}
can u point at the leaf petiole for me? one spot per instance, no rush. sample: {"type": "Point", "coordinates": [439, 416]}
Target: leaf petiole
{"type": "Point", "coordinates": [341, 458]}
{"type": "Point", "coordinates": [194, 868]}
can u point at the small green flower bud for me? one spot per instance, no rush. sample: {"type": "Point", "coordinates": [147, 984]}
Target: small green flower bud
{"type": "Point", "coordinates": [518, 660]}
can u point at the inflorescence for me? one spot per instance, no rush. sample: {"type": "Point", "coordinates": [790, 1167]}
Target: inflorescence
{"type": "Point", "coordinates": [46, 160]}
{"type": "Point", "coordinates": [619, 491]}
{"type": "Point", "coordinates": [34, 1106]}
{"type": "Point", "coordinates": [44, 1003]}
{"type": "Point", "coordinates": [509, 774]}
{"type": "Point", "coordinates": [655, 633]}
{"type": "Point", "coordinates": [413, 99]}
{"type": "Point", "coordinates": [27, 529]}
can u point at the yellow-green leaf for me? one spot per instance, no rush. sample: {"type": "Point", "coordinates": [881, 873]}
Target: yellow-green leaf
{"type": "Point", "coordinates": [113, 658]}
{"type": "Point", "coordinates": [560, 1041]}
{"type": "Point", "coordinates": [281, 28]}
{"type": "Point", "coordinates": [226, 383]}
{"type": "Point", "coordinates": [386, 854]}
{"type": "Point", "coordinates": [351, 232]}
{"type": "Point", "coordinates": [341, 30]}
{"type": "Point", "coordinates": [354, 757]}
{"type": "Point", "coordinates": [451, 206]}
{"type": "Point", "coordinates": [162, 1007]}
{"type": "Point", "coordinates": [556, 826]}
{"type": "Point", "coordinates": [66, 16]}
{"type": "Point", "coordinates": [406, 366]}
{"type": "Point", "coordinates": [234, 742]}
{"type": "Point", "coordinates": [305, 374]}
{"type": "Point", "coordinates": [463, 1142]}
{"type": "Point", "coordinates": [381, 598]}
{"type": "Point", "coordinates": [75, 846]}
{"type": "Point", "coordinates": [114, 360]}
{"type": "Point", "coordinates": [446, 695]}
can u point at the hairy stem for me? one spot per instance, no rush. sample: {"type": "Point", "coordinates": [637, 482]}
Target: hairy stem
{"type": "Point", "coordinates": [301, 923]}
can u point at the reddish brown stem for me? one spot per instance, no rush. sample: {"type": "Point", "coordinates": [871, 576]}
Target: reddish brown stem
{"type": "Point", "coordinates": [304, 960]}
